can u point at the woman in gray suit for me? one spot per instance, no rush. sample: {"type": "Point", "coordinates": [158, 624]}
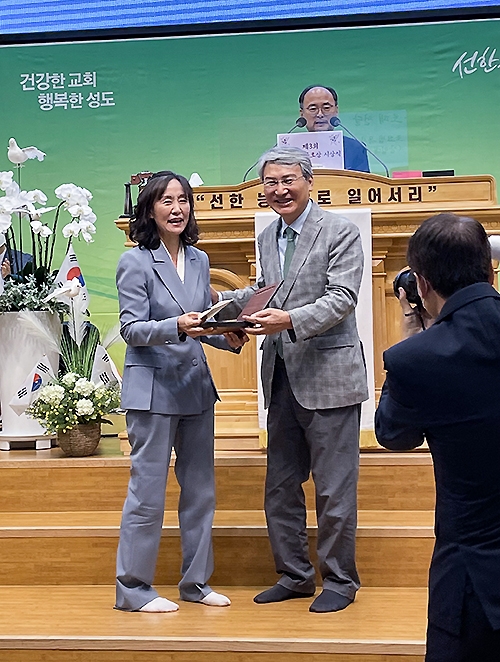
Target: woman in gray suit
{"type": "Point", "coordinates": [169, 395]}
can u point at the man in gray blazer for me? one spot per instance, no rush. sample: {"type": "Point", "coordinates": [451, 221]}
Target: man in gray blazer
{"type": "Point", "coordinates": [314, 381]}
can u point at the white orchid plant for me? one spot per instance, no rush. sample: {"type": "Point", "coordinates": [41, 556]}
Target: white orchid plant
{"type": "Point", "coordinates": [19, 209]}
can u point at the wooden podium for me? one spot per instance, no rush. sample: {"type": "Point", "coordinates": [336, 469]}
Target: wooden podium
{"type": "Point", "coordinates": [225, 215]}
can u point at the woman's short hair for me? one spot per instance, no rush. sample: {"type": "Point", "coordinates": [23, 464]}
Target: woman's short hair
{"type": "Point", "coordinates": [143, 229]}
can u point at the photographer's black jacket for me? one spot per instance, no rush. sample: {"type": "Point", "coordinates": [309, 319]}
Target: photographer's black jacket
{"type": "Point", "coordinates": [444, 384]}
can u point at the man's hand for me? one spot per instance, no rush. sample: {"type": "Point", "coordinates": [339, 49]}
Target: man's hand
{"type": "Point", "coordinates": [269, 320]}
{"type": "Point", "coordinates": [189, 323]}
{"type": "Point", "coordinates": [6, 268]}
{"type": "Point", "coordinates": [214, 295]}
{"type": "Point", "coordinates": [236, 339]}
{"type": "Point", "coordinates": [414, 321]}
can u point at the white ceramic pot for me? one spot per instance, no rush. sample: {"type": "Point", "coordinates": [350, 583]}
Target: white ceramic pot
{"type": "Point", "coordinates": [20, 348]}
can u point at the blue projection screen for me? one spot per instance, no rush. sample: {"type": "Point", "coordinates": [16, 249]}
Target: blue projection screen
{"type": "Point", "coordinates": [53, 16]}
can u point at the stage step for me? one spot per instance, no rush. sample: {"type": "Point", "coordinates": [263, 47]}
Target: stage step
{"type": "Point", "coordinates": [59, 526]}
{"type": "Point", "coordinates": [78, 624]}
{"type": "Point", "coordinates": [47, 481]}
{"type": "Point", "coordinates": [393, 547]}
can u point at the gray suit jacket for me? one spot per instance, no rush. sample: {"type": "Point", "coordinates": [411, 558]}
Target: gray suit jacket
{"type": "Point", "coordinates": [323, 353]}
{"type": "Point", "coordinates": [163, 373]}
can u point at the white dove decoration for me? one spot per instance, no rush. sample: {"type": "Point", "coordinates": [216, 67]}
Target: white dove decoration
{"type": "Point", "coordinates": [195, 180]}
{"type": "Point", "coordinates": [71, 289]}
{"type": "Point", "coordinates": [19, 155]}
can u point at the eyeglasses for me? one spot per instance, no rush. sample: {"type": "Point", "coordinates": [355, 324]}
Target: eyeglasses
{"type": "Point", "coordinates": [324, 107]}
{"type": "Point", "coordinates": [286, 182]}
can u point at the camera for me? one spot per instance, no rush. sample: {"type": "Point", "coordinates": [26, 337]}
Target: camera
{"type": "Point", "coordinates": [406, 279]}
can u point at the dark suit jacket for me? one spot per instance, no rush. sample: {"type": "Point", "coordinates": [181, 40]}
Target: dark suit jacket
{"type": "Point", "coordinates": [18, 261]}
{"type": "Point", "coordinates": [355, 155]}
{"type": "Point", "coordinates": [444, 384]}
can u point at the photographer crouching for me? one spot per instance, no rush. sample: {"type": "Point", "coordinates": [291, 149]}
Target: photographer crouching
{"type": "Point", "coordinates": [442, 384]}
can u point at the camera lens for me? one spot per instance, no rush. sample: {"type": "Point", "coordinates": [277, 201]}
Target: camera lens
{"type": "Point", "coordinates": [406, 279]}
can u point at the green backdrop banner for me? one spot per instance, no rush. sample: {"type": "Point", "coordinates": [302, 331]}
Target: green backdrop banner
{"type": "Point", "coordinates": [424, 97]}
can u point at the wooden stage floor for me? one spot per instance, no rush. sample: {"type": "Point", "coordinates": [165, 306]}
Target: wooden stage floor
{"type": "Point", "coordinates": [386, 621]}
{"type": "Point", "coordinates": [59, 521]}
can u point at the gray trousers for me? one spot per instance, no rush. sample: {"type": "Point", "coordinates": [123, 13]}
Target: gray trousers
{"type": "Point", "coordinates": [326, 443]}
{"type": "Point", "coordinates": [152, 437]}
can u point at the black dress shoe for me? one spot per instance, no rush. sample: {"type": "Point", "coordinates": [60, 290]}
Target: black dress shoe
{"type": "Point", "coordinates": [330, 601]}
{"type": "Point", "coordinates": [278, 593]}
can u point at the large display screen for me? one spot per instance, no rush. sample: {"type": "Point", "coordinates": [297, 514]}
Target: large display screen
{"type": "Point", "coordinates": [61, 16]}
{"type": "Point", "coordinates": [421, 96]}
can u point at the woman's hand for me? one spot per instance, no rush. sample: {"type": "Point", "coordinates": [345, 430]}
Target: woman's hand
{"type": "Point", "coordinates": [236, 339]}
{"type": "Point", "coordinates": [189, 323]}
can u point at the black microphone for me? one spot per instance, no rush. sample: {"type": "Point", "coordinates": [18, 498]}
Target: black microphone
{"type": "Point", "coordinates": [299, 123]}
{"type": "Point", "coordinates": [335, 121]}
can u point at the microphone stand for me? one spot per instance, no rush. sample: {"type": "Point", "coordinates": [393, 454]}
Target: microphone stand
{"type": "Point", "coordinates": [298, 124]}
{"type": "Point", "coordinates": [335, 121]}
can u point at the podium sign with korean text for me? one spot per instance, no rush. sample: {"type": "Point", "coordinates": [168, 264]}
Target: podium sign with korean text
{"type": "Point", "coordinates": [347, 188]}
{"type": "Point", "coordinates": [325, 148]}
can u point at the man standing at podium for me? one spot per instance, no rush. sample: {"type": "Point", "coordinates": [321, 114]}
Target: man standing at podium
{"type": "Point", "coordinates": [314, 381]}
{"type": "Point", "coordinates": [442, 384]}
{"type": "Point", "coordinates": [318, 104]}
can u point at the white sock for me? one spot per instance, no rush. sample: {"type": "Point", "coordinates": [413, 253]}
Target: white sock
{"type": "Point", "coordinates": [160, 605]}
{"type": "Point", "coordinates": [214, 599]}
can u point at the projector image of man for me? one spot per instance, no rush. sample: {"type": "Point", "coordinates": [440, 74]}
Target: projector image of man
{"type": "Point", "coordinates": [318, 104]}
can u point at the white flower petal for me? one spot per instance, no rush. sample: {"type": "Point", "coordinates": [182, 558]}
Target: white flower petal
{"type": "Point", "coordinates": [71, 230]}
{"type": "Point", "coordinates": [64, 191]}
{"type": "Point", "coordinates": [45, 231]}
{"type": "Point", "coordinates": [86, 226]}
{"type": "Point", "coordinates": [6, 179]}
{"type": "Point", "coordinates": [86, 193]}
{"type": "Point", "coordinates": [87, 237]}
{"type": "Point", "coordinates": [89, 217]}
{"type": "Point", "coordinates": [6, 205]}
{"type": "Point", "coordinates": [38, 196]}
{"type": "Point", "coordinates": [39, 211]}
{"type": "Point", "coordinates": [12, 189]}
{"type": "Point", "coordinates": [5, 222]}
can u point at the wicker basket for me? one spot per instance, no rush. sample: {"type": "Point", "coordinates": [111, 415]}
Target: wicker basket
{"type": "Point", "coordinates": [81, 440]}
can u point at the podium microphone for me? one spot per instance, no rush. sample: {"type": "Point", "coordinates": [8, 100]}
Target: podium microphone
{"type": "Point", "coordinates": [335, 121]}
{"type": "Point", "coordinates": [299, 123]}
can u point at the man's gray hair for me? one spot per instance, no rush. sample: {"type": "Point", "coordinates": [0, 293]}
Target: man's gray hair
{"type": "Point", "coordinates": [286, 156]}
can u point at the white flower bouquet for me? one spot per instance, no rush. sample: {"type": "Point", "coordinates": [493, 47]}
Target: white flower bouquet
{"type": "Point", "coordinates": [73, 400]}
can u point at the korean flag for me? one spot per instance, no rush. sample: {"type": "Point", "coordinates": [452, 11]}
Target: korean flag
{"type": "Point", "coordinates": [40, 375]}
{"type": "Point", "coordinates": [104, 372]}
{"type": "Point", "coordinates": [71, 269]}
